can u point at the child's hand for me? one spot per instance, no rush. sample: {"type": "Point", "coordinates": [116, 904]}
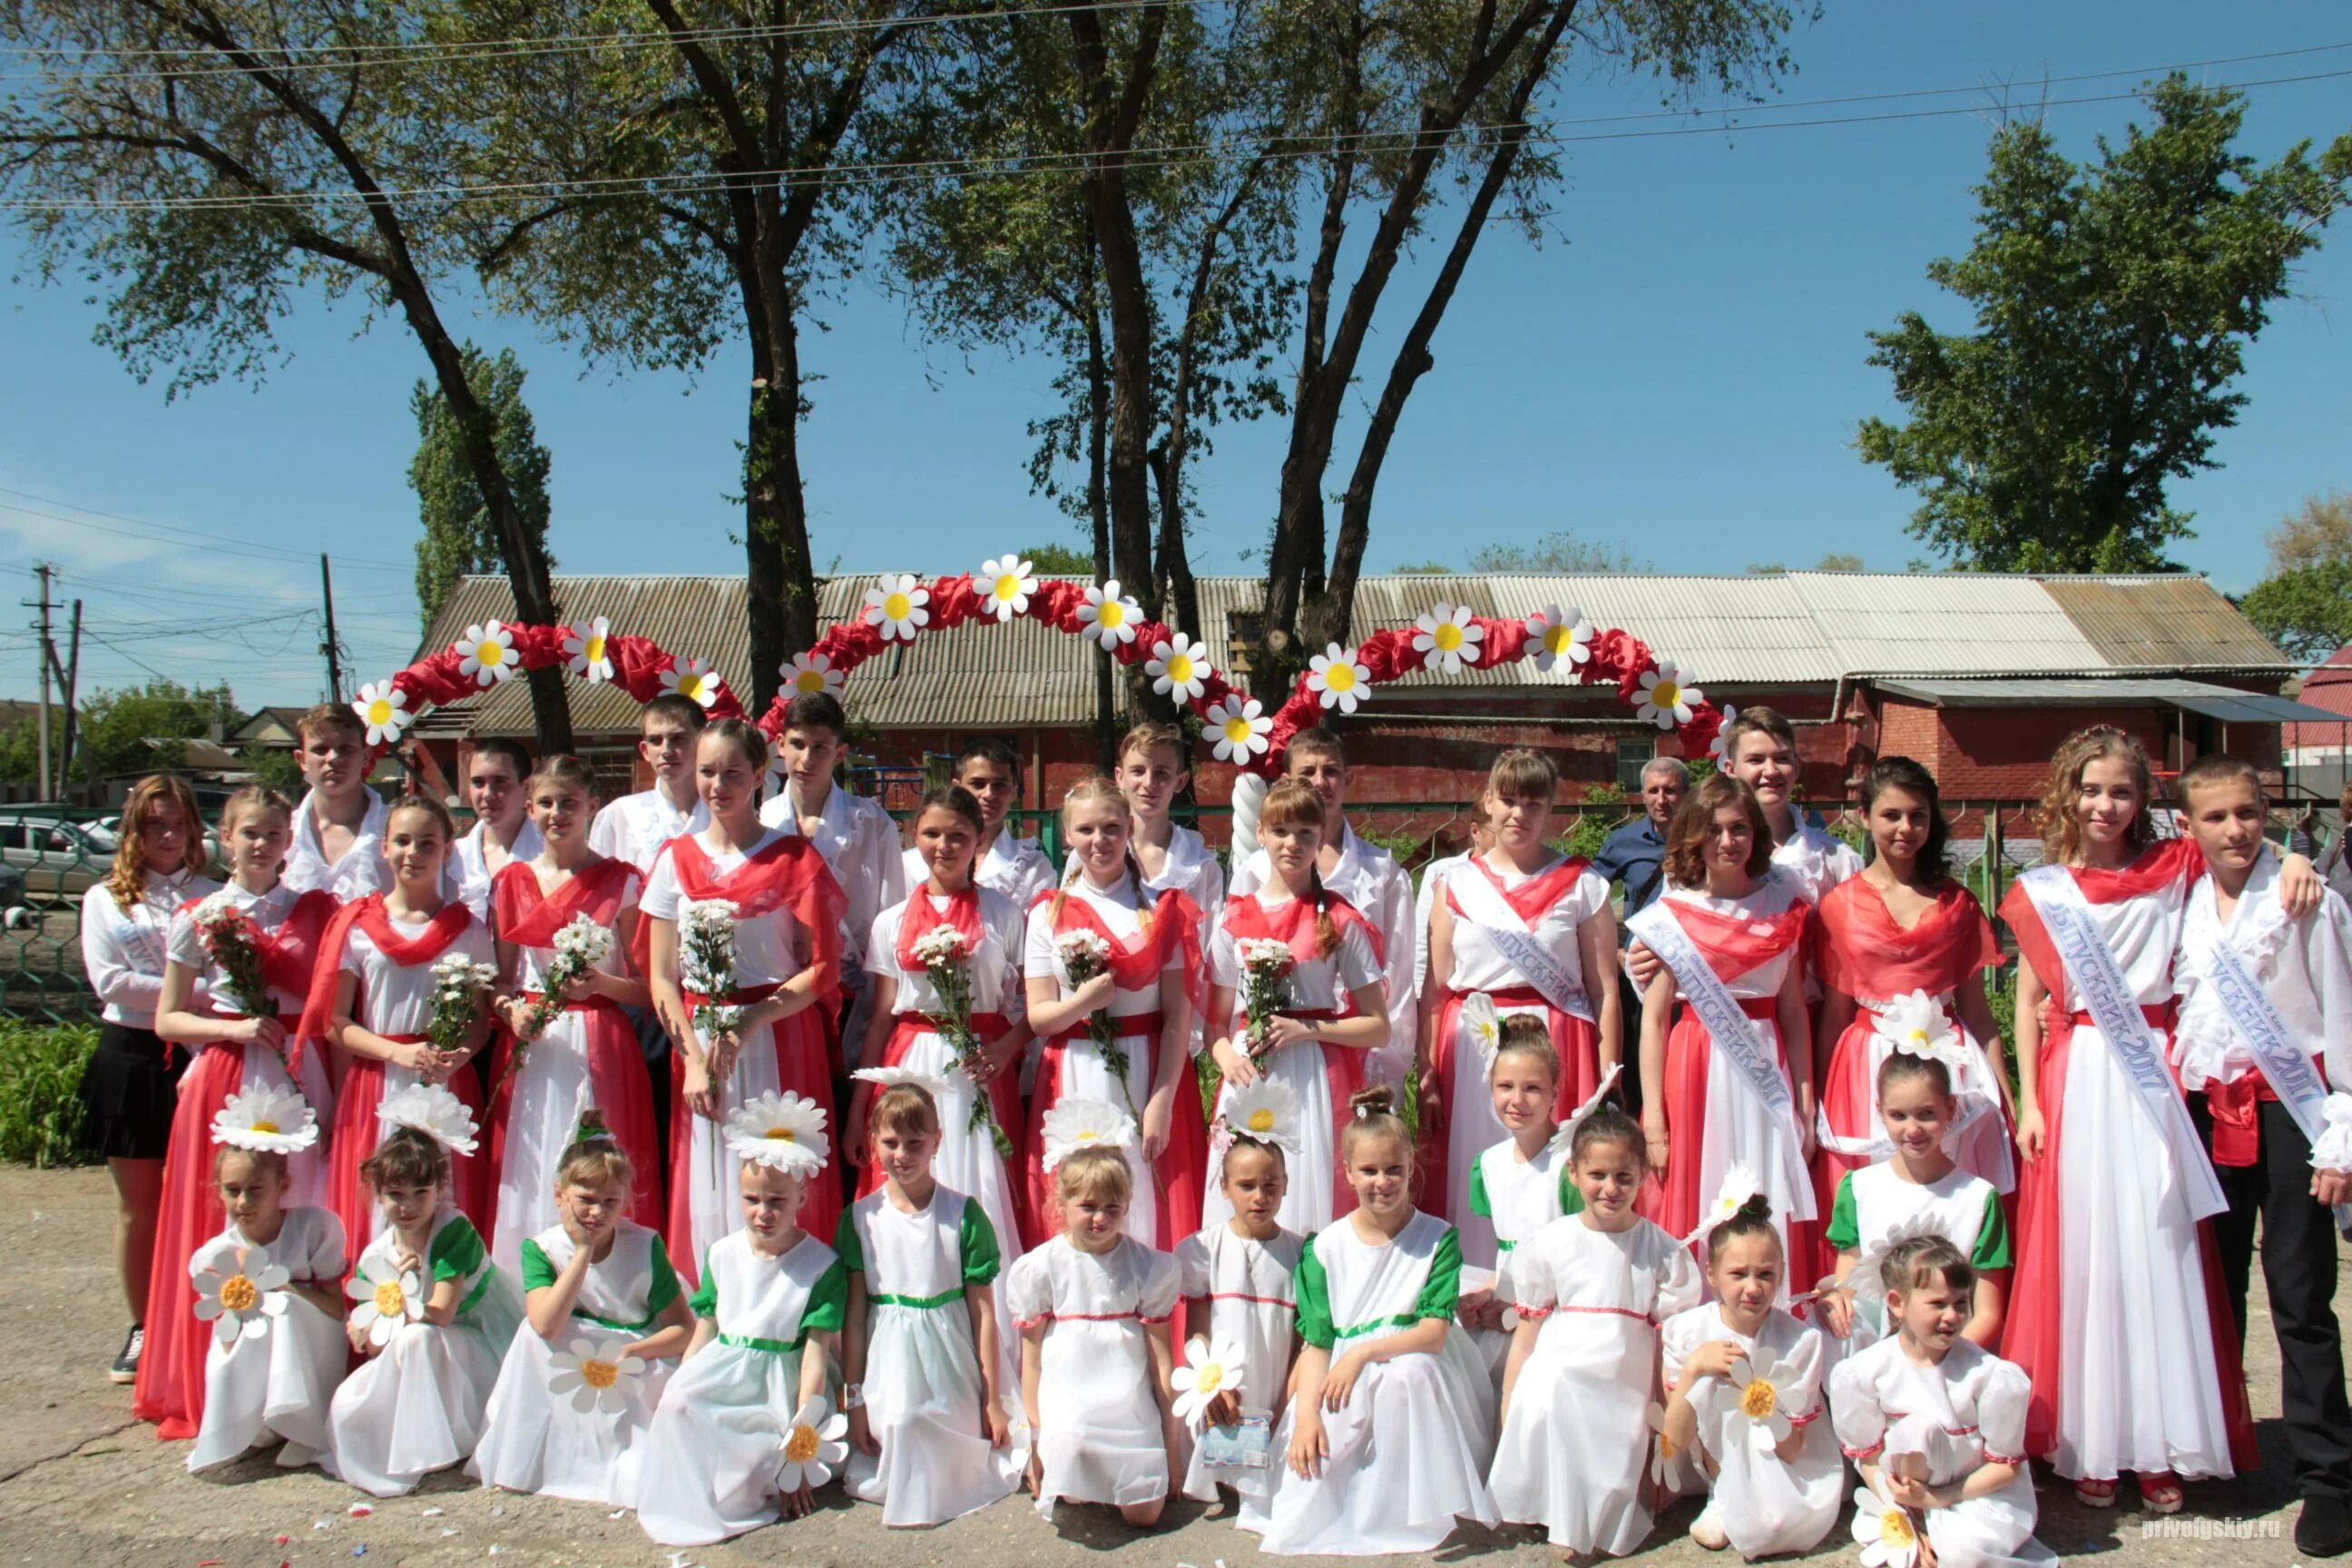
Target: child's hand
{"type": "Point", "coordinates": [861, 1433]}
{"type": "Point", "coordinates": [1000, 1430]}
{"type": "Point", "coordinates": [581, 987]}
{"type": "Point", "coordinates": [1642, 964]}
{"type": "Point", "coordinates": [1653, 1135]}
{"type": "Point", "coordinates": [853, 1126]}
{"type": "Point", "coordinates": [518, 1021]}
{"type": "Point", "coordinates": [2332, 1187]}
{"type": "Point", "coordinates": [1235, 1063]}
{"type": "Point", "coordinates": [417, 1055]}
{"type": "Point", "coordinates": [358, 1336]}
{"type": "Point", "coordinates": [1837, 1311]}
{"type": "Point", "coordinates": [1281, 1030]}
{"type": "Point", "coordinates": [1714, 1359]}
{"type": "Point", "coordinates": [1000, 1054]}
{"type": "Point", "coordinates": [719, 1061]}
{"type": "Point", "coordinates": [1225, 1409]}
{"type": "Point", "coordinates": [2032, 1135]}
{"type": "Point", "coordinates": [1912, 1493]}
{"type": "Point", "coordinates": [1471, 1308]}
{"type": "Point", "coordinates": [1433, 1099]}
{"type": "Point", "coordinates": [1340, 1380]}
{"type": "Point", "coordinates": [800, 1504]}
{"type": "Point", "coordinates": [2300, 884]}
{"type": "Point", "coordinates": [695, 1089]}
{"type": "Point", "coordinates": [1308, 1447]}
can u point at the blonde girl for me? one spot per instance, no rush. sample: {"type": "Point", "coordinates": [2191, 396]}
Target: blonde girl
{"type": "Point", "coordinates": [1524, 1183]}
{"type": "Point", "coordinates": [1146, 948]}
{"type": "Point", "coordinates": [1330, 1007]}
{"type": "Point", "coordinates": [241, 1042]}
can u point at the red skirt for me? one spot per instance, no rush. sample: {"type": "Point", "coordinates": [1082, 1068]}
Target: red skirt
{"type": "Point", "coordinates": [355, 1134]}
{"type": "Point", "coordinates": [803, 1068]}
{"type": "Point", "coordinates": [623, 1092]}
{"type": "Point", "coordinates": [1577, 1042]}
{"type": "Point", "coordinates": [1690, 1052]}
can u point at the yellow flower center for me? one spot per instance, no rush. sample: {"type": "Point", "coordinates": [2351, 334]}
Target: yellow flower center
{"type": "Point", "coordinates": [1008, 586]}
{"type": "Point", "coordinates": [1558, 640]}
{"type": "Point", "coordinates": [1665, 694]}
{"type": "Point", "coordinates": [1339, 676]}
{"type": "Point", "coordinates": [1895, 1528]}
{"type": "Point", "coordinates": [782, 1134]}
{"type": "Point", "coordinates": [1112, 613]}
{"type": "Point", "coordinates": [592, 650]}
{"type": "Point", "coordinates": [489, 651]}
{"type": "Point", "coordinates": [1447, 637]}
{"type": "Point", "coordinates": [271, 1127]}
{"type": "Point", "coordinates": [239, 1294]}
{"type": "Point", "coordinates": [1918, 1036]}
{"type": "Point", "coordinates": [1261, 1120]}
{"type": "Point", "coordinates": [599, 1374]}
{"type": "Point", "coordinates": [1237, 730]}
{"type": "Point", "coordinates": [1667, 1447]}
{"type": "Point", "coordinates": [809, 680]}
{"type": "Point", "coordinates": [1759, 1399]}
{"type": "Point", "coordinates": [689, 686]}
{"type": "Point", "coordinates": [1180, 670]}
{"type": "Point", "coordinates": [390, 1302]}
{"type": "Point", "coordinates": [897, 606]}
{"type": "Point", "coordinates": [1210, 1378]}
{"type": "Point", "coordinates": [1089, 1136]}
{"type": "Point", "coordinates": [800, 1446]}
{"type": "Point", "coordinates": [379, 713]}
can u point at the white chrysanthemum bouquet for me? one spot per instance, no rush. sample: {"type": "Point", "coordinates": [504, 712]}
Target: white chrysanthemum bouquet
{"type": "Point", "coordinates": [947, 964]}
{"type": "Point", "coordinates": [1083, 955]}
{"type": "Point", "coordinates": [1266, 968]}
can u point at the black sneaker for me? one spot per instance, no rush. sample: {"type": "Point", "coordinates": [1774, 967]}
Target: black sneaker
{"type": "Point", "coordinates": [126, 1365]}
{"type": "Point", "coordinates": [2325, 1530]}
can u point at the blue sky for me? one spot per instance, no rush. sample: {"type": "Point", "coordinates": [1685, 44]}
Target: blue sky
{"type": "Point", "coordinates": [1679, 368]}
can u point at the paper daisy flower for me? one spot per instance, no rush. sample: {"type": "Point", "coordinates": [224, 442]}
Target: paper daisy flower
{"type": "Point", "coordinates": [1740, 1183]}
{"type": "Point", "coordinates": [1483, 1024]}
{"type": "Point", "coordinates": [1206, 1372]}
{"type": "Point", "coordinates": [597, 1375]}
{"type": "Point", "coordinates": [783, 1132]}
{"type": "Point", "coordinates": [810, 674]}
{"type": "Point", "coordinates": [1178, 666]}
{"type": "Point", "coordinates": [1338, 678]}
{"type": "Point", "coordinates": [1265, 1110]}
{"type": "Point", "coordinates": [1763, 1401]}
{"type": "Point", "coordinates": [884, 1077]}
{"type": "Point", "coordinates": [1005, 585]}
{"type": "Point", "coordinates": [588, 648]}
{"type": "Point", "coordinates": [1665, 701]}
{"type": "Point", "coordinates": [813, 1447]}
{"type": "Point", "coordinates": [1076, 1124]}
{"type": "Point", "coordinates": [1917, 1023]}
{"type": "Point", "coordinates": [1446, 638]}
{"type": "Point", "coordinates": [1717, 747]}
{"type": "Point", "coordinates": [1883, 1530]}
{"type": "Point", "coordinates": [241, 1303]}
{"type": "Point", "coordinates": [433, 1110]}
{"type": "Point", "coordinates": [489, 655]}
{"type": "Point", "coordinates": [1020, 1442]}
{"type": "Point", "coordinates": [383, 709]}
{"type": "Point", "coordinates": [896, 604]}
{"type": "Point", "coordinates": [385, 1306]}
{"type": "Point", "coordinates": [1566, 1136]}
{"type": "Point", "coordinates": [691, 678]}
{"type": "Point", "coordinates": [1108, 616]}
{"type": "Point", "coordinates": [265, 1117]}
{"type": "Point", "coordinates": [1561, 640]}
{"type": "Point", "coordinates": [1239, 726]}
{"type": "Point", "coordinates": [1669, 1466]}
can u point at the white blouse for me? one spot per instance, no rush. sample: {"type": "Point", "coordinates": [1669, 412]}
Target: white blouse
{"type": "Point", "coordinates": [363, 868]}
{"type": "Point", "coordinates": [1480, 965]}
{"type": "Point", "coordinates": [995, 976]}
{"type": "Point", "coordinates": [268, 911]}
{"type": "Point", "coordinates": [123, 951]}
{"type": "Point", "coordinates": [860, 842]}
{"type": "Point", "coordinates": [635, 827]}
{"type": "Point", "coordinates": [397, 999]}
{"type": "Point", "coordinates": [769, 949]}
{"type": "Point", "coordinates": [1316, 985]}
{"type": "Point", "coordinates": [1118, 911]}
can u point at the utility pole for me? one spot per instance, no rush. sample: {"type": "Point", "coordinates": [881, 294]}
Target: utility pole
{"type": "Point", "coordinates": [68, 678]}
{"type": "Point", "coordinates": [331, 647]}
{"type": "Point", "coordinates": [41, 656]}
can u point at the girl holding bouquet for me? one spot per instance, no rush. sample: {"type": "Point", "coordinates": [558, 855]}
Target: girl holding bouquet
{"type": "Point", "coordinates": [252, 945]}
{"type": "Point", "coordinates": [746, 943]}
{"type": "Point", "coordinates": [1283, 963]}
{"type": "Point", "coordinates": [1106, 967]}
{"type": "Point", "coordinates": [402, 993]}
{"type": "Point", "coordinates": [565, 919]}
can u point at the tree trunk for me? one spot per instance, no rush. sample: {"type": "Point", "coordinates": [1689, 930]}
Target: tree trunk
{"type": "Point", "coordinates": [780, 579]}
{"type": "Point", "coordinates": [1098, 506]}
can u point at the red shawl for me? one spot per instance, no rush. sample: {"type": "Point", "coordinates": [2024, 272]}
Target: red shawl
{"type": "Point", "coordinates": [1735, 944]}
{"type": "Point", "coordinates": [1292, 924]}
{"type": "Point", "coordinates": [1531, 898]}
{"type": "Point", "coordinates": [287, 953]}
{"type": "Point", "coordinates": [1866, 952]}
{"type": "Point", "coordinates": [369, 915]}
{"type": "Point", "coordinates": [526, 916]}
{"type": "Point", "coordinates": [1175, 928]}
{"type": "Point", "coordinates": [923, 915]}
{"type": "Point", "coordinates": [790, 873]}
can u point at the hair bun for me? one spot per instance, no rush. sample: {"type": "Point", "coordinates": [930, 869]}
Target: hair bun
{"type": "Point", "coordinates": [1378, 1100]}
{"type": "Point", "coordinates": [1757, 1207]}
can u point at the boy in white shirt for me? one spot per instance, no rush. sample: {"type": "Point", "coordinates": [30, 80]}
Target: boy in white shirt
{"type": "Point", "coordinates": [635, 827]}
{"type": "Point", "coordinates": [496, 768]}
{"type": "Point", "coordinates": [338, 842]}
{"type": "Point", "coordinates": [990, 768]}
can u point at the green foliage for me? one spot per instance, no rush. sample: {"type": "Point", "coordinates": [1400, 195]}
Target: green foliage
{"type": "Point", "coordinates": [40, 1103]}
{"type": "Point", "coordinates": [1831, 561]}
{"type": "Point", "coordinates": [1423, 569]}
{"type": "Point", "coordinates": [460, 534]}
{"type": "Point", "coordinates": [134, 730]}
{"type": "Point", "coordinates": [2305, 605]}
{"type": "Point", "coordinates": [1560, 552]}
{"type": "Point", "coordinates": [1059, 561]}
{"type": "Point", "coordinates": [2114, 302]}
{"type": "Point", "coordinates": [2001, 995]}
{"type": "Point", "coordinates": [275, 770]}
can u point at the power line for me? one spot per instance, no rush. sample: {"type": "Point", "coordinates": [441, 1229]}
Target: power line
{"type": "Point", "coordinates": [168, 528]}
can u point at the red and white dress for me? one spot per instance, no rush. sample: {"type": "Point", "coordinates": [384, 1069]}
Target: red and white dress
{"type": "Point", "coordinates": [1167, 1207]}
{"type": "Point", "coordinates": [1550, 906]}
{"type": "Point", "coordinates": [788, 918]}
{"type": "Point", "coordinates": [1324, 1077]}
{"type": "Point", "coordinates": [170, 1387]}
{"type": "Point", "coordinates": [586, 1057]}
{"type": "Point", "coordinates": [2120, 1317]}
{"type": "Point", "coordinates": [393, 961]}
{"type": "Point", "coordinates": [1867, 956]}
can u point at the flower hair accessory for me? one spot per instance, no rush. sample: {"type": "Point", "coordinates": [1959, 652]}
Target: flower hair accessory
{"type": "Point", "coordinates": [1567, 1133]}
{"type": "Point", "coordinates": [1266, 1111]}
{"type": "Point", "coordinates": [1741, 1193]}
{"type": "Point", "coordinates": [1916, 1025]}
{"type": "Point", "coordinates": [888, 1078]}
{"type": "Point", "coordinates": [1076, 1124]}
{"type": "Point", "coordinates": [267, 1120]}
{"type": "Point", "coordinates": [782, 1131]}
{"type": "Point", "coordinates": [433, 1110]}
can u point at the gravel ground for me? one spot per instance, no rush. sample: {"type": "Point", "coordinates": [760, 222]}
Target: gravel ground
{"type": "Point", "coordinates": [82, 1483]}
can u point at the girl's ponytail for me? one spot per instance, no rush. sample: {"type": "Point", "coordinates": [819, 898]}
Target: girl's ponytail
{"type": "Point", "coordinates": [1327, 933]}
{"type": "Point", "coordinates": [1142, 898]}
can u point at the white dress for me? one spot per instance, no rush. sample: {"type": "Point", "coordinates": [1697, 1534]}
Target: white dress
{"type": "Point", "coordinates": [418, 1405]}
{"type": "Point", "coordinates": [1249, 1287]}
{"type": "Point", "coordinates": [1316, 985]}
{"type": "Point", "coordinates": [543, 1103]}
{"type": "Point", "coordinates": [1876, 1207]}
{"type": "Point", "coordinates": [709, 1464]}
{"type": "Point", "coordinates": [1100, 1437]}
{"type": "Point", "coordinates": [1961, 1414]}
{"type": "Point", "coordinates": [1368, 878]}
{"type": "Point", "coordinates": [1576, 1444]}
{"type": "Point", "coordinates": [279, 1383]}
{"type": "Point", "coordinates": [1516, 1198]}
{"type": "Point", "coordinates": [1409, 1450]}
{"type": "Point", "coordinates": [923, 1386]}
{"type": "Point", "coordinates": [535, 1440]}
{"type": "Point", "coordinates": [1764, 1504]}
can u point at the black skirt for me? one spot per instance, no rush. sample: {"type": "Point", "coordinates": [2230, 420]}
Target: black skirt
{"type": "Point", "coordinates": [128, 1093]}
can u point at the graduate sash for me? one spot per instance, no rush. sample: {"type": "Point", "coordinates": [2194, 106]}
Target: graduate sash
{"type": "Point", "coordinates": [1735, 1037]}
{"type": "Point", "coordinates": [1484, 905]}
{"type": "Point", "coordinates": [2113, 1005]}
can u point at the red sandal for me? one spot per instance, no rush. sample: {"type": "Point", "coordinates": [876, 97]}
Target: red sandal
{"type": "Point", "coordinates": [2093, 1493]}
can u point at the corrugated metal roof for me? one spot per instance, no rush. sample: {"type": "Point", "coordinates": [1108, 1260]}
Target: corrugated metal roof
{"type": "Point", "coordinates": [2163, 623]}
{"type": "Point", "coordinates": [2195, 695]}
{"type": "Point", "coordinates": [1945, 623]}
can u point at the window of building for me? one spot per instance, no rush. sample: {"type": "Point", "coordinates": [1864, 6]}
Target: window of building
{"type": "Point", "coordinates": [1635, 753]}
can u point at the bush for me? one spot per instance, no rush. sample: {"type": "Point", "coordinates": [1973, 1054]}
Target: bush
{"type": "Point", "coordinates": [41, 1106]}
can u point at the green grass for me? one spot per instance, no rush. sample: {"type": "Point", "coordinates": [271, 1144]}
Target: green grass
{"type": "Point", "coordinates": [40, 1107]}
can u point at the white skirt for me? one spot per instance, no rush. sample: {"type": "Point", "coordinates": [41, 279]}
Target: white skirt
{"type": "Point", "coordinates": [414, 1407]}
{"type": "Point", "coordinates": [923, 1404]}
{"type": "Point", "coordinates": [1307, 1196]}
{"type": "Point", "coordinates": [1995, 1531]}
{"type": "Point", "coordinates": [708, 1469]}
{"type": "Point", "coordinates": [1764, 1505]}
{"type": "Point", "coordinates": [967, 1163]}
{"type": "Point", "coordinates": [550, 1089]}
{"type": "Point", "coordinates": [535, 1440]}
{"type": "Point", "coordinates": [1576, 1443]}
{"type": "Point", "coordinates": [1098, 1441]}
{"type": "Point", "coordinates": [713, 1203]}
{"type": "Point", "coordinates": [276, 1386]}
{"type": "Point", "coordinates": [1408, 1457]}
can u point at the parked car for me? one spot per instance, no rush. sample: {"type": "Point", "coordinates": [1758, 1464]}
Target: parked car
{"type": "Point", "coordinates": [15, 911]}
{"type": "Point", "coordinates": [54, 858]}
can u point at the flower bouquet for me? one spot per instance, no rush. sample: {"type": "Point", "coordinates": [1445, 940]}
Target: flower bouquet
{"type": "Point", "coordinates": [1266, 966]}
{"type": "Point", "coordinates": [705, 963]}
{"type": "Point", "coordinates": [233, 944]}
{"type": "Point", "coordinates": [1083, 955]}
{"type": "Point", "coordinates": [459, 987]}
{"type": "Point", "coordinates": [947, 963]}
{"type": "Point", "coordinates": [582, 945]}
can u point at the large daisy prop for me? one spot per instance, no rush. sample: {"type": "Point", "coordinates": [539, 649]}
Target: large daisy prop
{"type": "Point", "coordinates": [1005, 585]}
{"type": "Point", "coordinates": [598, 1375]}
{"type": "Point", "coordinates": [1669, 1464]}
{"type": "Point", "coordinates": [897, 605]}
{"type": "Point", "coordinates": [1082, 1123]}
{"type": "Point", "coordinates": [489, 653]}
{"type": "Point", "coordinates": [385, 1306]}
{"type": "Point", "coordinates": [588, 649]}
{"type": "Point", "coordinates": [887, 1078]}
{"type": "Point", "coordinates": [812, 675]}
{"type": "Point", "coordinates": [1740, 1185]}
{"type": "Point", "coordinates": [267, 1119]}
{"type": "Point", "coordinates": [782, 1131]}
{"type": "Point", "coordinates": [1448, 638]}
{"type": "Point", "coordinates": [1762, 1400]}
{"type": "Point", "coordinates": [812, 1448]}
{"type": "Point", "coordinates": [1108, 617]}
{"type": "Point", "coordinates": [241, 1302]}
{"type": "Point", "coordinates": [1917, 1023]}
{"type": "Point", "coordinates": [431, 1110]}
{"type": "Point", "coordinates": [692, 678]}
{"type": "Point", "coordinates": [1266, 1111]}
{"type": "Point", "coordinates": [1883, 1528]}
{"type": "Point", "coordinates": [1338, 678]}
{"type": "Point", "coordinates": [1239, 726]}
{"type": "Point", "coordinates": [1563, 639]}
{"type": "Point", "coordinates": [1665, 701]}
{"type": "Point", "coordinates": [1206, 1372]}
{"type": "Point", "coordinates": [383, 709]}
{"type": "Point", "coordinates": [1485, 1026]}
{"type": "Point", "coordinates": [1178, 666]}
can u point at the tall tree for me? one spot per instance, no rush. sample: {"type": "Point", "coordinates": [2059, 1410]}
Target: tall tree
{"type": "Point", "coordinates": [2305, 605]}
{"type": "Point", "coordinates": [208, 160]}
{"type": "Point", "coordinates": [2114, 302]}
{"type": "Point", "coordinates": [460, 536]}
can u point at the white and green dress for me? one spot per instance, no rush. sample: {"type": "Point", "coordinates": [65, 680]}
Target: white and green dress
{"type": "Point", "coordinates": [1409, 1450]}
{"type": "Point", "coordinates": [711, 1461]}
{"type": "Point", "coordinates": [540, 1441]}
{"type": "Point", "coordinates": [277, 1383]}
{"type": "Point", "coordinates": [923, 1386]}
{"type": "Point", "coordinates": [418, 1405]}
{"type": "Point", "coordinates": [1876, 1207]}
{"type": "Point", "coordinates": [1517, 1198]}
